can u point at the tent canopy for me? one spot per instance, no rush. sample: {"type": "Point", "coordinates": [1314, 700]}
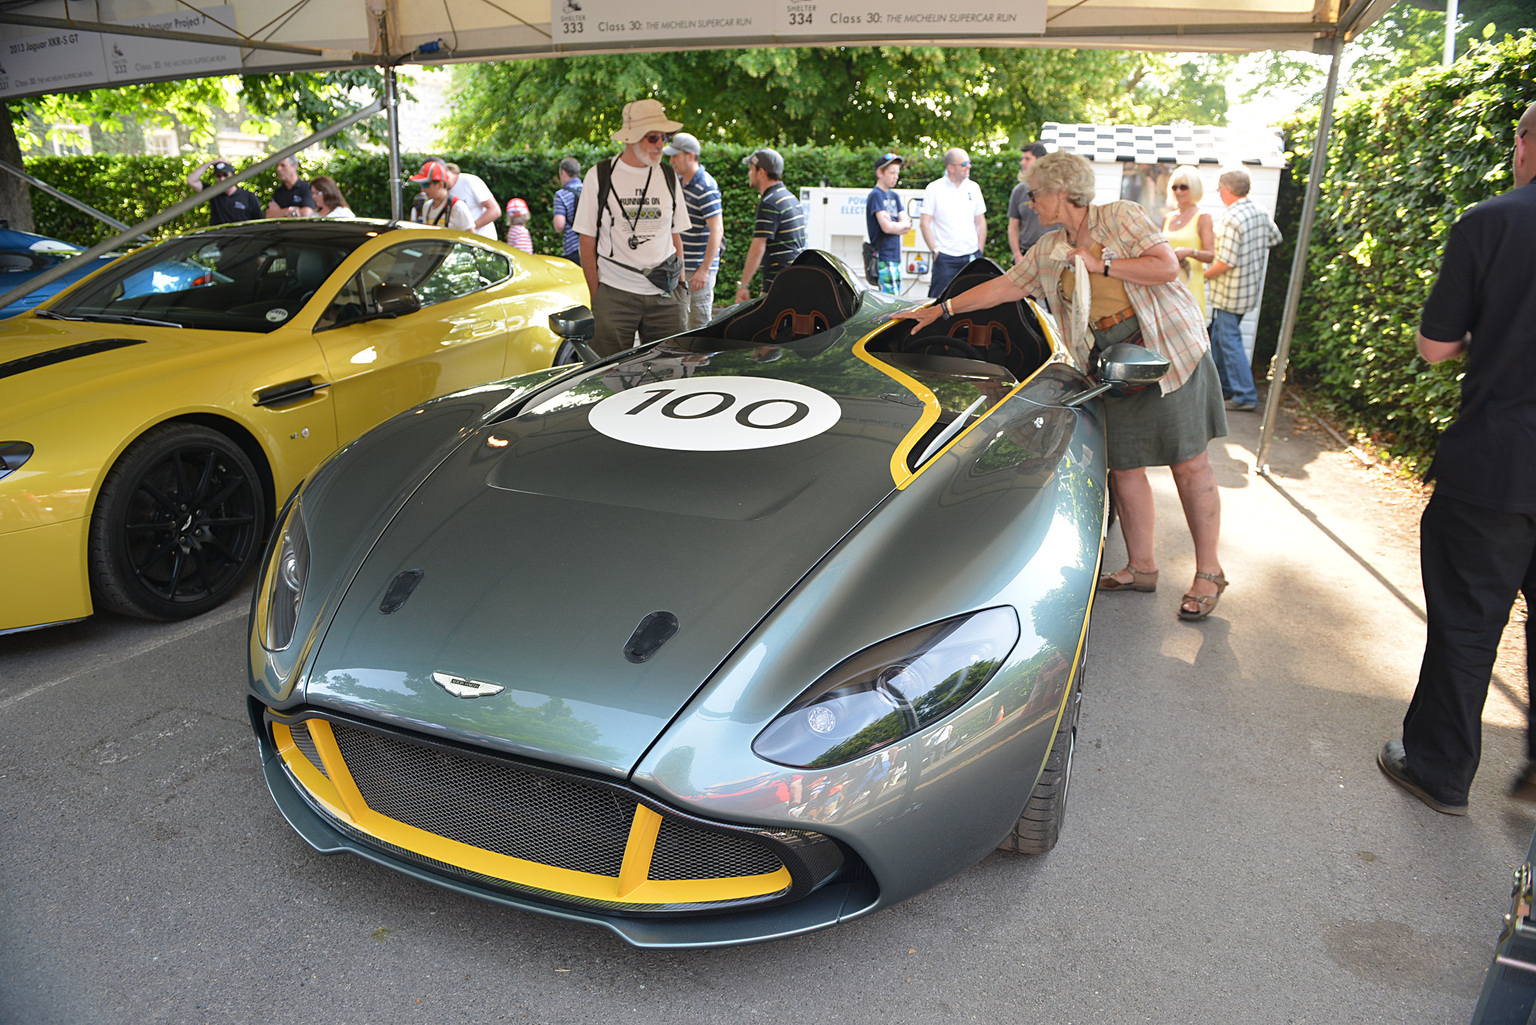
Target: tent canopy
{"type": "Point", "coordinates": [59, 45]}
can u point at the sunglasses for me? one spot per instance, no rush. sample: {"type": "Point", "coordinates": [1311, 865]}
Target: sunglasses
{"type": "Point", "coordinates": [961, 163]}
{"type": "Point", "coordinates": [1180, 188]}
{"type": "Point", "coordinates": [656, 137]}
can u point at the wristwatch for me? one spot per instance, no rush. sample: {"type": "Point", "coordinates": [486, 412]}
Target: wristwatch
{"type": "Point", "coordinates": [1107, 261]}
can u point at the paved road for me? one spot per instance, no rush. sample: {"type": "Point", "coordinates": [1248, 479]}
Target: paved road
{"type": "Point", "coordinates": [1231, 853]}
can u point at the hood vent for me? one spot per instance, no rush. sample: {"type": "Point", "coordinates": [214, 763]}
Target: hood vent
{"type": "Point", "coordinates": [654, 630]}
{"type": "Point", "coordinates": [46, 359]}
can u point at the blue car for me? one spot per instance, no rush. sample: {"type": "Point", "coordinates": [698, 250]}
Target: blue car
{"type": "Point", "coordinates": [24, 255]}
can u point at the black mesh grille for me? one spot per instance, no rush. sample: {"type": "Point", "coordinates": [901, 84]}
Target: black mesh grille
{"type": "Point", "coordinates": [306, 744]}
{"type": "Point", "coordinates": [687, 852]}
{"type": "Point", "coordinates": [556, 818]}
{"type": "Point", "coordinates": [546, 819]}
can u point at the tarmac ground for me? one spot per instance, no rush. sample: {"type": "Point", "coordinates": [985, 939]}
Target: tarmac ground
{"type": "Point", "coordinates": [1231, 854]}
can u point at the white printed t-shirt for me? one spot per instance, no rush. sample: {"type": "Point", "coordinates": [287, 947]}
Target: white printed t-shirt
{"type": "Point", "coordinates": [645, 218]}
{"type": "Point", "coordinates": [471, 188]}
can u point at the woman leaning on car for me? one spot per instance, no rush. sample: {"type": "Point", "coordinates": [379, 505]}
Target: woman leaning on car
{"type": "Point", "coordinates": [1113, 253]}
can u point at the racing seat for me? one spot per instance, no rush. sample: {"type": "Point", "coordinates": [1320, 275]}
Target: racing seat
{"type": "Point", "coordinates": [805, 300]}
{"type": "Point", "coordinates": [1007, 335]}
{"type": "Point", "coordinates": [308, 273]}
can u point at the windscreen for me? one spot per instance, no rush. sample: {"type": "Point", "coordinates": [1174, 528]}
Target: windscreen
{"type": "Point", "coordinates": [252, 281]}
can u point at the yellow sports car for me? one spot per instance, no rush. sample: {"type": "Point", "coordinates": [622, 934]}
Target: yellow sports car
{"type": "Point", "coordinates": [147, 437]}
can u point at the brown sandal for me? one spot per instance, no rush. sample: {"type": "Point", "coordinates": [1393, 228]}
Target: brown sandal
{"type": "Point", "coordinates": [1206, 602]}
{"type": "Point", "coordinates": [1139, 581]}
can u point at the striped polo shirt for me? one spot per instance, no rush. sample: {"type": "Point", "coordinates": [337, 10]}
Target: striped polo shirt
{"type": "Point", "coordinates": [701, 195]}
{"type": "Point", "coordinates": [781, 221]}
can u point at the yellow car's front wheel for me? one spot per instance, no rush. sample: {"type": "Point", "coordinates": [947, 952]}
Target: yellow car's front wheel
{"type": "Point", "coordinates": [177, 526]}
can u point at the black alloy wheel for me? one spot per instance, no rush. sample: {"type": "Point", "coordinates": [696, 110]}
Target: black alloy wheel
{"type": "Point", "coordinates": [177, 526]}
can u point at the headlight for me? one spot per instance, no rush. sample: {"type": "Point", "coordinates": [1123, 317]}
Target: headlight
{"type": "Point", "coordinates": [13, 455]}
{"type": "Point", "coordinates": [287, 571]}
{"type": "Point", "coordinates": [890, 691]}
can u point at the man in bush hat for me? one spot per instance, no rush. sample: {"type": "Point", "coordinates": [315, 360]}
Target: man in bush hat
{"type": "Point", "coordinates": [779, 234]}
{"type": "Point", "coordinates": [631, 219]}
{"type": "Point", "coordinates": [1477, 537]}
{"type": "Point", "coordinates": [231, 204]}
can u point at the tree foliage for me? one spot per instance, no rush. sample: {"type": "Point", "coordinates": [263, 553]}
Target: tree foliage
{"type": "Point", "coordinates": [910, 97]}
{"type": "Point", "coordinates": [1409, 36]}
{"type": "Point", "coordinates": [1403, 163]}
{"type": "Point", "coordinates": [312, 99]}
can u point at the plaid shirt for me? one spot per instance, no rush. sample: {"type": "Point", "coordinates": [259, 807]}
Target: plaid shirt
{"type": "Point", "coordinates": [1171, 323]}
{"type": "Point", "coordinates": [1242, 242]}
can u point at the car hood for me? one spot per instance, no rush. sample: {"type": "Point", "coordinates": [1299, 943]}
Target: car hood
{"type": "Point", "coordinates": [542, 544]}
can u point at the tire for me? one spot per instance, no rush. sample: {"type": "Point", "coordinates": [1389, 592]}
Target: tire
{"type": "Point", "coordinates": [1039, 825]}
{"type": "Point", "coordinates": [177, 526]}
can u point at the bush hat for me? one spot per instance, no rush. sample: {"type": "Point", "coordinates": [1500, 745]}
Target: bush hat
{"type": "Point", "coordinates": [682, 142]}
{"type": "Point", "coordinates": [767, 160]}
{"type": "Point", "coordinates": [642, 117]}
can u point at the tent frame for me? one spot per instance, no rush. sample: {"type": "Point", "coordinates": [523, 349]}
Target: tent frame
{"type": "Point", "coordinates": [1359, 12]}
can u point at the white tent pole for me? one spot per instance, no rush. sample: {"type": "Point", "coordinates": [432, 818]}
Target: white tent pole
{"type": "Point", "coordinates": [392, 109]}
{"type": "Point", "coordinates": [1299, 262]}
{"type": "Point", "coordinates": [1451, 13]}
{"type": "Point", "coordinates": [193, 201]}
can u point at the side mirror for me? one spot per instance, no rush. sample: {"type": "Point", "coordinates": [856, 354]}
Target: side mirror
{"type": "Point", "coordinates": [577, 326]}
{"type": "Point", "coordinates": [1124, 365]}
{"type": "Point", "coordinates": [393, 300]}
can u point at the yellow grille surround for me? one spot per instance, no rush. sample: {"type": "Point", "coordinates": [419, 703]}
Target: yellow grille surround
{"type": "Point", "coordinates": [538, 831]}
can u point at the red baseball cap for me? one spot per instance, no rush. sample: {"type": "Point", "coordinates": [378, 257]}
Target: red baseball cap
{"type": "Point", "coordinates": [431, 171]}
{"type": "Point", "coordinates": [517, 208]}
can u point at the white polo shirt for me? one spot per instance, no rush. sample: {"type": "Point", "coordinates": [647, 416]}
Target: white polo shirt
{"type": "Point", "coordinates": [954, 209]}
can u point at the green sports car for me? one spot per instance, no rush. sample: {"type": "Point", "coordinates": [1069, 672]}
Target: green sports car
{"type": "Point", "coordinates": [730, 637]}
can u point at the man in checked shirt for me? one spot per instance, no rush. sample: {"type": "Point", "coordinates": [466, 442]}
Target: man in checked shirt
{"type": "Point", "coordinates": [1233, 282]}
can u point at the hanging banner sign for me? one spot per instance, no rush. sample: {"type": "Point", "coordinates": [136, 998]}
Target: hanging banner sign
{"type": "Point", "coordinates": [880, 19]}
{"type": "Point", "coordinates": [604, 22]}
{"type": "Point", "coordinates": [62, 60]}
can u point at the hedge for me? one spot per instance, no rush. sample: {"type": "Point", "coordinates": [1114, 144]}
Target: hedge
{"type": "Point", "coordinates": [1403, 163]}
{"type": "Point", "coordinates": [133, 188]}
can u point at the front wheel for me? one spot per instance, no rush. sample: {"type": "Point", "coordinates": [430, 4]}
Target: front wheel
{"type": "Point", "coordinates": [566, 353]}
{"type": "Point", "coordinates": [1039, 825]}
{"type": "Point", "coordinates": [177, 526]}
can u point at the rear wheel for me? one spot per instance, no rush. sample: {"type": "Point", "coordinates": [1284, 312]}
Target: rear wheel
{"type": "Point", "coordinates": [1039, 826]}
{"type": "Point", "coordinates": [177, 526]}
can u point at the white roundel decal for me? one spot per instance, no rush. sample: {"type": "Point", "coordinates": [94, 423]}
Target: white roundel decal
{"type": "Point", "coordinates": [715, 414]}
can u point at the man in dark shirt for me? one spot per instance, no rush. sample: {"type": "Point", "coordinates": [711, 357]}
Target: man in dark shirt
{"type": "Point", "coordinates": [231, 204]}
{"type": "Point", "coordinates": [291, 197]}
{"type": "Point", "coordinates": [779, 235]}
{"type": "Point", "coordinates": [1478, 533]}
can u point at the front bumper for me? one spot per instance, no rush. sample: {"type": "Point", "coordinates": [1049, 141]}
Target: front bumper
{"type": "Point", "coordinates": [44, 570]}
{"type": "Point", "coordinates": [551, 841]}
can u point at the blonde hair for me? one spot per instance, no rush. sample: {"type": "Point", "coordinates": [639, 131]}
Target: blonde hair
{"type": "Point", "coordinates": [1065, 173]}
{"type": "Point", "coordinates": [1186, 175]}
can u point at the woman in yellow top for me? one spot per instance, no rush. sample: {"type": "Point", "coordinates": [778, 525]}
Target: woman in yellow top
{"type": "Point", "coordinates": [1190, 232]}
